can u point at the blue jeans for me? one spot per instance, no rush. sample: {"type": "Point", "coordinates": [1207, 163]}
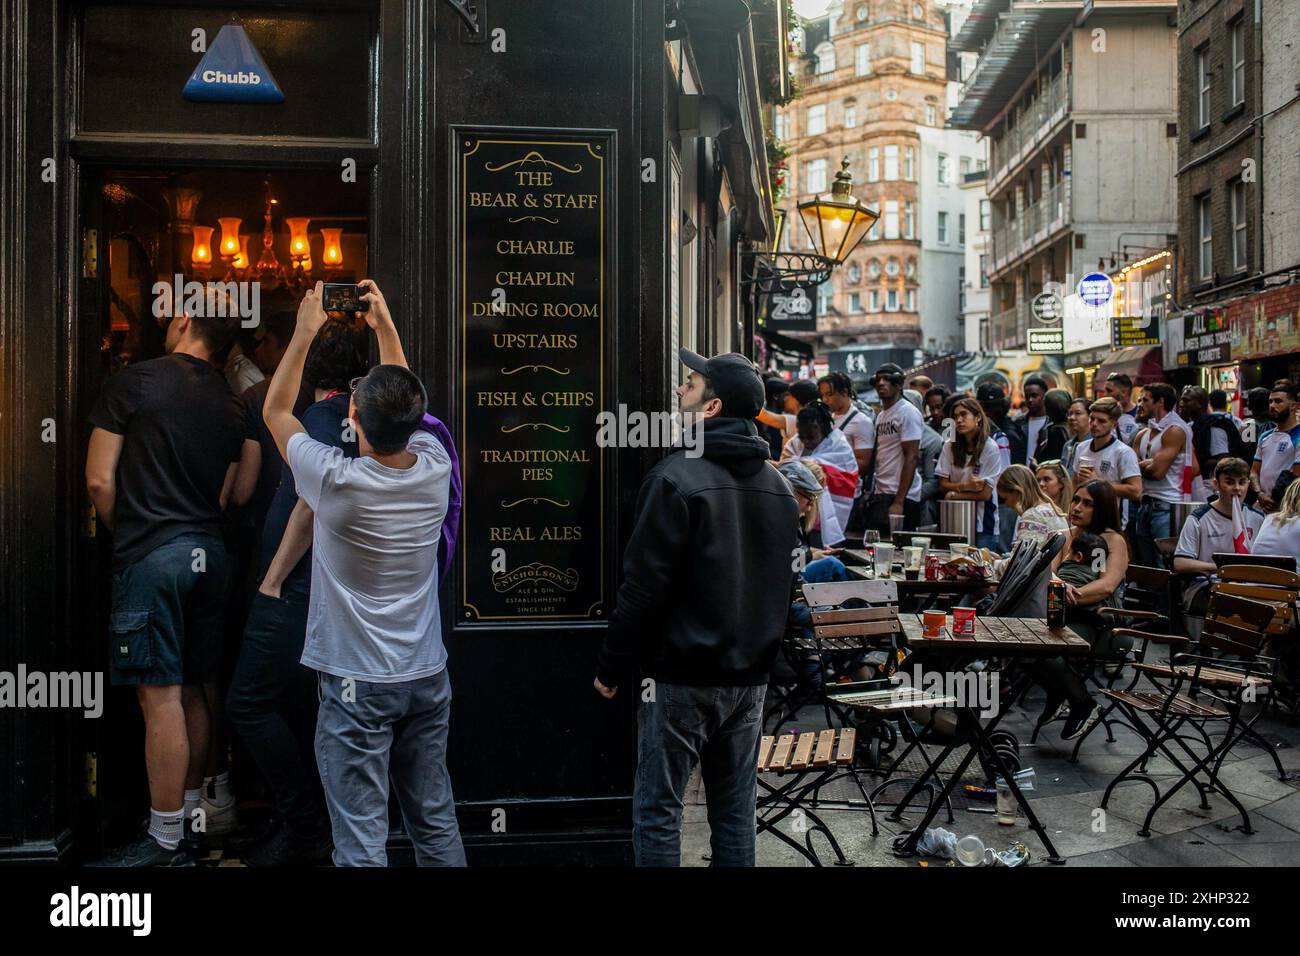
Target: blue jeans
{"type": "Point", "coordinates": [1154, 521]}
{"type": "Point", "coordinates": [718, 728]}
{"type": "Point", "coordinates": [367, 734]}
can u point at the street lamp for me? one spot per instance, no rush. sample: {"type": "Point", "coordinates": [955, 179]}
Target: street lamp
{"type": "Point", "coordinates": [837, 222]}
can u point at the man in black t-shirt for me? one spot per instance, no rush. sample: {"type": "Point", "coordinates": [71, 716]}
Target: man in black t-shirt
{"type": "Point", "coordinates": [161, 465]}
{"type": "Point", "coordinates": [272, 700]}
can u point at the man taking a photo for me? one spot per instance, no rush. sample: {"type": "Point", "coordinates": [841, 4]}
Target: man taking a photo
{"type": "Point", "coordinates": [373, 631]}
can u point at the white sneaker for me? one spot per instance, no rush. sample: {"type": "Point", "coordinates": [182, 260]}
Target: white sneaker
{"type": "Point", "coordinates": [218, 819]}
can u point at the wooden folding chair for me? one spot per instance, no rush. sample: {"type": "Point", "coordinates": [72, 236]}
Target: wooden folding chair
{"type": "Point", "coordinates": [1145, 590]}
{"type": "Point", "coordinates": [794, 760]}
{"type": "Point", "coordinates": [832, 638]}
{"type": "Point", "coordinates": [1197, 690]}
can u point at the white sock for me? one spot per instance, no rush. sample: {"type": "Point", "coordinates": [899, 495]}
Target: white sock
{"type": "Point", "coordinates": [219, 788]}
{"type": "Point", "coordinates": [166, 827]}
{"type": "Point", "coordinates": [192, 798]}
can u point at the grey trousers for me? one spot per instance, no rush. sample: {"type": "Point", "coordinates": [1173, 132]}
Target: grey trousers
{"type": "Point", "coordinates": [368, 734]}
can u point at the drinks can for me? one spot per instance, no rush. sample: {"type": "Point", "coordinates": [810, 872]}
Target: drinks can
{"type": "Point", "coordinates": [932, 567]}
{"type": "Point", "coordinates": [963, 621]}
{"type": "Point", "coordinates": [1056, 603]}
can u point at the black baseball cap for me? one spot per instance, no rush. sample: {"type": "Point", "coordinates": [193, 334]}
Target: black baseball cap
{"type": "Point", "coordinates": [990, 392]}
{"type": "Point", "coordinates": [805, 390]}
{"type": "Point", "coordinates": [733, 378]}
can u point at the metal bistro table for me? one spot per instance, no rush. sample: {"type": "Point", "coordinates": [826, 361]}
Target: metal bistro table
{"type": "Point", "coordinates": [1014, 638]}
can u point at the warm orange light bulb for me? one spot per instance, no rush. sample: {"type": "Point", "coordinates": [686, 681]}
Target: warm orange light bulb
{"type": "Point", "coordinates": [332, 240]}
{"type": "Point", "coordinates": [202, 251]}
{"type": "Point", "coordinates": [229, 235]}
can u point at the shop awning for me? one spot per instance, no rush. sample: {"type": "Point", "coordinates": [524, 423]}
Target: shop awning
{"type": "Point", "coordinates": [790, 346]}
{"type": "Point", "coordinates": [1142, 363]}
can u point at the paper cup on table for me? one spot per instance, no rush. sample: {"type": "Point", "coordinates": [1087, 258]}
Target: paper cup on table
{"type": "Point", "coordinates": [959, 549]}
{"type": "Point", "coordinates": [935, 622]}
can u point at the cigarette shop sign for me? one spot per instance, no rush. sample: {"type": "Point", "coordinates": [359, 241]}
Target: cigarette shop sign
{"type": "Point", "coordinates": [1207, 339]}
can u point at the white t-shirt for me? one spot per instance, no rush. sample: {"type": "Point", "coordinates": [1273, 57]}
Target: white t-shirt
{"type": "Point", "coordinates": [1276, 453]}
{"type": "Point", "coordinates": [894, 425]}
{"type": "Point", "coordinates": [1206, 533]}
{"type": "Point", "coordinates": [1274, 537]}
{"type": "Point", "coordinates": [374, 572]}
{"type": "Point", "coordinates": [1115, 463]}
{"type": "Point", "coordinates": [1034, 426]}
{"type": "Point", "coordinates": [860, 430]}
{"type": "Point", "coordinates": [987, 467]}
{"type": "Point", "coordinates": [1127, 427]}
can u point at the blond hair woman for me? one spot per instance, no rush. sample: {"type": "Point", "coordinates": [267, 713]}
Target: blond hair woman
{"type": "Point", "coordinates": [1280, 532]}
{"type": "Point", "coordinates": [1054, 480]}
{"type": "Point", "coordinates": [1039, 516]}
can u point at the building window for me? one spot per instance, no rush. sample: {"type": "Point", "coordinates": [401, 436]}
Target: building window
{"type": "Point", "coordinates": [891, 300]}
{"type": "Point", "coordinates": [855, 273]}
{"type": "Point", "coordinates": [781, 127]}
{"type": "Point", "coordinates": [918, 12]}
{"type": "Point", "coordinates": [1203, 89]}
{"type": "Point", "coordinates": [891, 219]}
{"type": "Point", "coordinates": [984, 272]}
{"type": "Point", "coordinates": [1238, 226]}
{"type": "Point", "coordinates": [873, 269]}
{"type": "Point", "coordinates": [918, 58]}
{"type": "Point", "coordinates": [964, 166]}
{"type": "Point", "coordinates": [825, 54]}
{"type": "Point", "coordinates": [961, 229]}
{"type": "Point", "coordinates": [911, 268]}
{"type": "Point", "coordinates": [825, 293]}
{"type": "Point", "coordinates": [862, 59]}
{"type": "Point", "coordinates": [909, 219]}
{"type": "Point", "coordinates": [1238, 63]}
{"type": "Point", "coordinates": [855, 302]}
{"type": "Point", "coordinates": [874, 232]}
{"type": "Point", "coordinates": [985, 215]}
{"type": "Point", "coordinates": [1205, 234]}
{"type": "Point", "coordinates": [873, 301]}
{"type": "Point", "coordinates": [909, 156]}
{"type": "Point", "coordinates": [943, 227]}
{"type": "Point", "coordinates": [911, 300]}
{"type": "Point", "coordinates": [850, 117]}
{"type": "Point", "coordinates": [816, 119]}
{"type": "Point", "coordinates": [943, 169]}
{"type": "Point", "coordinates": [863, 12]}
{"type": "Point", "coordinates": [891, 162]}
{"type": "Point", "coordinates": [873, 164]}
{"type": "Point", "coordinates": [891, 268]}
{"type": "Point", "coordinates": [814, 176]}
{"type": "Point", "coordinates": [929, 116]}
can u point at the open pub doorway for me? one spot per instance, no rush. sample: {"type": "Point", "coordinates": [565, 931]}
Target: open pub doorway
{"type": "Point", "coordinates": [273, 233]}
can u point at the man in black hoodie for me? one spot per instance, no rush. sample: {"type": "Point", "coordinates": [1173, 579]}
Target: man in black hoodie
{"type": "Point", "coordinates": [707, 580]}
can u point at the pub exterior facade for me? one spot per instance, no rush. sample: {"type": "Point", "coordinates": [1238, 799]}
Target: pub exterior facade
{"type": "Point", "coordinates": [553, 196]}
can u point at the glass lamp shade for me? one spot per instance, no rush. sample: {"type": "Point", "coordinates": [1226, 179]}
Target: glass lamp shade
{"type": "Point", "coordinates": [241, 257]}
{"type": "Point", "coordinates": [837, 222]}
{"type": "Point", "coordinates": [201, 254]}
{"type": "Point", "coordinates": [332, 253]}
{"type": "Point", "coordinates": [229, 237]}
{"type": "Point", "coordinates": [299, 247]}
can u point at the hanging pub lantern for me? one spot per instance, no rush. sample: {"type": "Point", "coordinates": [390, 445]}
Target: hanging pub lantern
{"type": "Point", "coordinates": [837, 222]}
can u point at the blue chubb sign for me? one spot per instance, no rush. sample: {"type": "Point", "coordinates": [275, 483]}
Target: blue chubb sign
{"type": "Point", "coordinates": [232, 71]}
